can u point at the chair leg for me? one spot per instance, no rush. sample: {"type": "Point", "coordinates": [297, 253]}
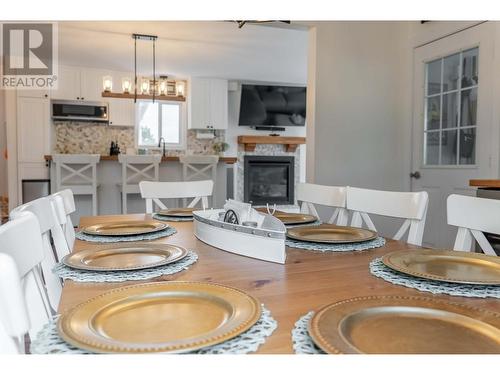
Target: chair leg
{"type": "Point", "coordinates": [124, 203]}
{"type": "Point", "coordinates": [94, 204]}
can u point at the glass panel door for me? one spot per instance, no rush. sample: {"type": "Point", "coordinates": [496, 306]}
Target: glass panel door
{"type": "Point", "coordinates": [450, 122]}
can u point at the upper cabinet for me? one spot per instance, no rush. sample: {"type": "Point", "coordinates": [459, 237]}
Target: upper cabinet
{"type": "Point", "coordinates": [78, 84]}
{"type": "Point", "coordinates": [121, 112]}
{"type": "Point", "coordinates": [208, 106]}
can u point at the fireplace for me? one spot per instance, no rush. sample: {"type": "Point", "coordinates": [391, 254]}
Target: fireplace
{"type": "Point", "coordinates": [269, 179]}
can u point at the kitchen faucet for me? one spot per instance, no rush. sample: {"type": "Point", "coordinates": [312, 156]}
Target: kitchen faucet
{"type": "Point", "coordinates": [159, 144]}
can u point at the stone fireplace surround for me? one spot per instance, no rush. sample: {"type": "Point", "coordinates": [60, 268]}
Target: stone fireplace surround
{"type": "Point", "coordinates": [267, 150]}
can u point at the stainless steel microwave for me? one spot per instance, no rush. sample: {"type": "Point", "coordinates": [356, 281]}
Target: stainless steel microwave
{"type": "Point", "coordinates": [79, 111]}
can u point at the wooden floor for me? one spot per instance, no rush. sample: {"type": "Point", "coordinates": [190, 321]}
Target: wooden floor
{"type": "Point", "coordinates": [306, 282]}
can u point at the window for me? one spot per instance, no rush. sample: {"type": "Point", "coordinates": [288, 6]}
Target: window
{"type": "Point", "coordinates": [160, 120]}
{"type": "Point", "coordinates": [451, 109]}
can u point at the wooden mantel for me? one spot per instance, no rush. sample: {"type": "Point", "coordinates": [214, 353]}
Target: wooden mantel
{"type": "Point", "coordinates": [251, 141]}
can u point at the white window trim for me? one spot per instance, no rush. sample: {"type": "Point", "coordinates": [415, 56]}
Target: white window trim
{"type": "Point", "coordinates": [182, 131]}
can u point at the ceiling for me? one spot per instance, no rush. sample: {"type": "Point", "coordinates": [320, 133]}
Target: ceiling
{"type": "Point", "coordinates": [201, 48]}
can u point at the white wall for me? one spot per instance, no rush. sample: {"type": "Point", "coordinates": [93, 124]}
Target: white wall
{"type": "Point", "coordinates": [359, 88]}
{"type": "Point", "coordinates": [361, 103]}
{"type": "Point", "coordinates": [3, 145]}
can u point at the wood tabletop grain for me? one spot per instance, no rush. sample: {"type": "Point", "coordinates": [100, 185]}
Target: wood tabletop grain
{"type": "Point", "coordinates": [306, 282]}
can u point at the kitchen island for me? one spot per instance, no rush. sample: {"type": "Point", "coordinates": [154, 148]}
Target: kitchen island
{"type": "Point", "coordinates": [109, 176]}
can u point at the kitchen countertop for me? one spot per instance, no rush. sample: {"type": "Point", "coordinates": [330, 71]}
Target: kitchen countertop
{"type": "Point", "coordinates": [223, 159]}
{"type": "Point", "coordinates": [485, 183]}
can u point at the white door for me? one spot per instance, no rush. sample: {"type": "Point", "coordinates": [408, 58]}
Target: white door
{"type": "Point", "coordinates": [452, 122]}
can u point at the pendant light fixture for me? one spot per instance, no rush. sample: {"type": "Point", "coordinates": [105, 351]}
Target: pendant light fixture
{"type": "Point", "coordinates": [151, 38]}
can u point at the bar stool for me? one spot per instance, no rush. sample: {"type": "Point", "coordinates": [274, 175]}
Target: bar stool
{"type": "Point", "coordinates": [78, 172]}
{"type": "Point", "coordinates": [199, 167]}
{"type": "Point", "coordinates": [137, 168]}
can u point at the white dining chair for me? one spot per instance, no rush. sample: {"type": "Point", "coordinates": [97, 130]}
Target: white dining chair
{"type": "Point", "coordinates": [137, 168]}
{"type": "Point", "coordinates": [473, 216]}
{"type": "Point", "coordinates": [78, 172]}
{"type": "Point", "coordinates": [199, 167]}
{"type": "Point", "coordinates": [152, 192]}
{"type": "Point", "coordinates": [68, 206]}
{"type": "Point", "coordinates": [22, 286]}
{"type": "Point", "coordinates": [50, 230]}
{"type": "Point", "coordinates": [332, 196]}
{"type": "Point", "coordinates": [14, 321]}
{"type": "Point", "coordinates": [411, 206]}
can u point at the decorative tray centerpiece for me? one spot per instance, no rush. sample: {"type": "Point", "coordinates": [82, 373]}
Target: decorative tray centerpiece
{"type": "Point", "coordinates": [240, 229]}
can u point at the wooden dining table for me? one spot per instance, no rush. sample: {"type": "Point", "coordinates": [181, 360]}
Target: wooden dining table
{"type": "Point", "coordinates": [307, 281]}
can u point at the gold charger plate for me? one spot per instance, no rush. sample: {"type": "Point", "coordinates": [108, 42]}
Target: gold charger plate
{"type": "Point", "coordinates": [159, 317]}
{"type": "Point", "coordinates": [330, 233]}
{"type": "Point", "coordinates": [289, 218]}
{"type": "Point", "coordinates": [178, 212]}
{"type": "Point", "coordinates": [125, 228]}
{"type": "Point", "coordinates": [445, 265]}
{"type": "Point", "coordinates": [404, 325]}
{"type": "Point", "coordinates": [125, 257]}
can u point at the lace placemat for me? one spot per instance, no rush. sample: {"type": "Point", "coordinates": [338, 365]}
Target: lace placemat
{"type": "Point", "coordinates": [379, 269]}
{"type": "Point", "coordinates": [171, 218]}
{"type": "Point", "coordinates": [85, 276]}
{"type": "Point", "coordinates": [324, 247]}
{"type": "Point", "coordinates": [302, 342]}
{"type": "Point", "coordinates": [140, 237]}
{"type": "Point", "coordinates": [49, 342]}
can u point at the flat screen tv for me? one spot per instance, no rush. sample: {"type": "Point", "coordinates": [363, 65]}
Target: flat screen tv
{"type": "Point", "coordinates": [272, 106]}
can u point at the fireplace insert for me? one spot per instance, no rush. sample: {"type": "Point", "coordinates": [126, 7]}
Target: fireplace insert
{"type": "Point", "coordinates": [269, 179]}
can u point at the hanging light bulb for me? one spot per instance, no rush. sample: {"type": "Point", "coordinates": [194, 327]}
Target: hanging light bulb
{"type": "Point", "coordinates": [180, 88]}
{"type": "Point", "coordinates": [126, 85]}
{"type": "Point", "coordinates": [145, 86]}
{"type": "Point", "coordinates": [163, 87]}
{"type": "Point", "coordinates": [107, 83]}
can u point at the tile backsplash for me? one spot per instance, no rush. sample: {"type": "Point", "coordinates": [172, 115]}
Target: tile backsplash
{"type": "Point", "coordinates": [93, 138]}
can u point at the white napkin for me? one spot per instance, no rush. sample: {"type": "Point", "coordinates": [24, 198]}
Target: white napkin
{"type": "Point", "coordinates": [245, 212]}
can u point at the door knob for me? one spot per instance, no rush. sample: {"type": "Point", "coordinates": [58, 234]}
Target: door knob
{"type": "Point", "coordinates": [416, 175]}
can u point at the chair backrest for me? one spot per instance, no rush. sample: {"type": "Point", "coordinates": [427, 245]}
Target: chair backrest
{"type": "Point", "coordinates": [199, 167]}
{"type": "Point", "coordinates": [154, 191]}
{"type": "Point", "coordinates": [473, 216]}
{"type": "Point", "coordinates": [49, 228]}
{"type": "Point", "coordinates": [76, 169]}
{"type": "Point", "coordinates": [14, 321]}
{"type": "Point", "coordinates": [411, 206]}
{"type": "Point", "coordinates": [68, 205]}
{"type": "Point", "coordinates": [331, 196]}
{"type": "Point", "coordinates": [21, 240]}
{"type": "Point", "coordinates": [137, 168]}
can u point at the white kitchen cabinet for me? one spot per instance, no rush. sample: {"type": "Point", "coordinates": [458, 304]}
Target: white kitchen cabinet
{"type": "Point", "coordinates": [91, 85]}
{"type": "Point", "coordinates": [79, 84]}
{"type": "Point", "coordinates": [208, 106]}
{"type": "Point", "coordinates": [121, 112]}
{"type": "Point", "coordinates": [33, 129]}
{"type": "Point", "coordinates": [68, 83]}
